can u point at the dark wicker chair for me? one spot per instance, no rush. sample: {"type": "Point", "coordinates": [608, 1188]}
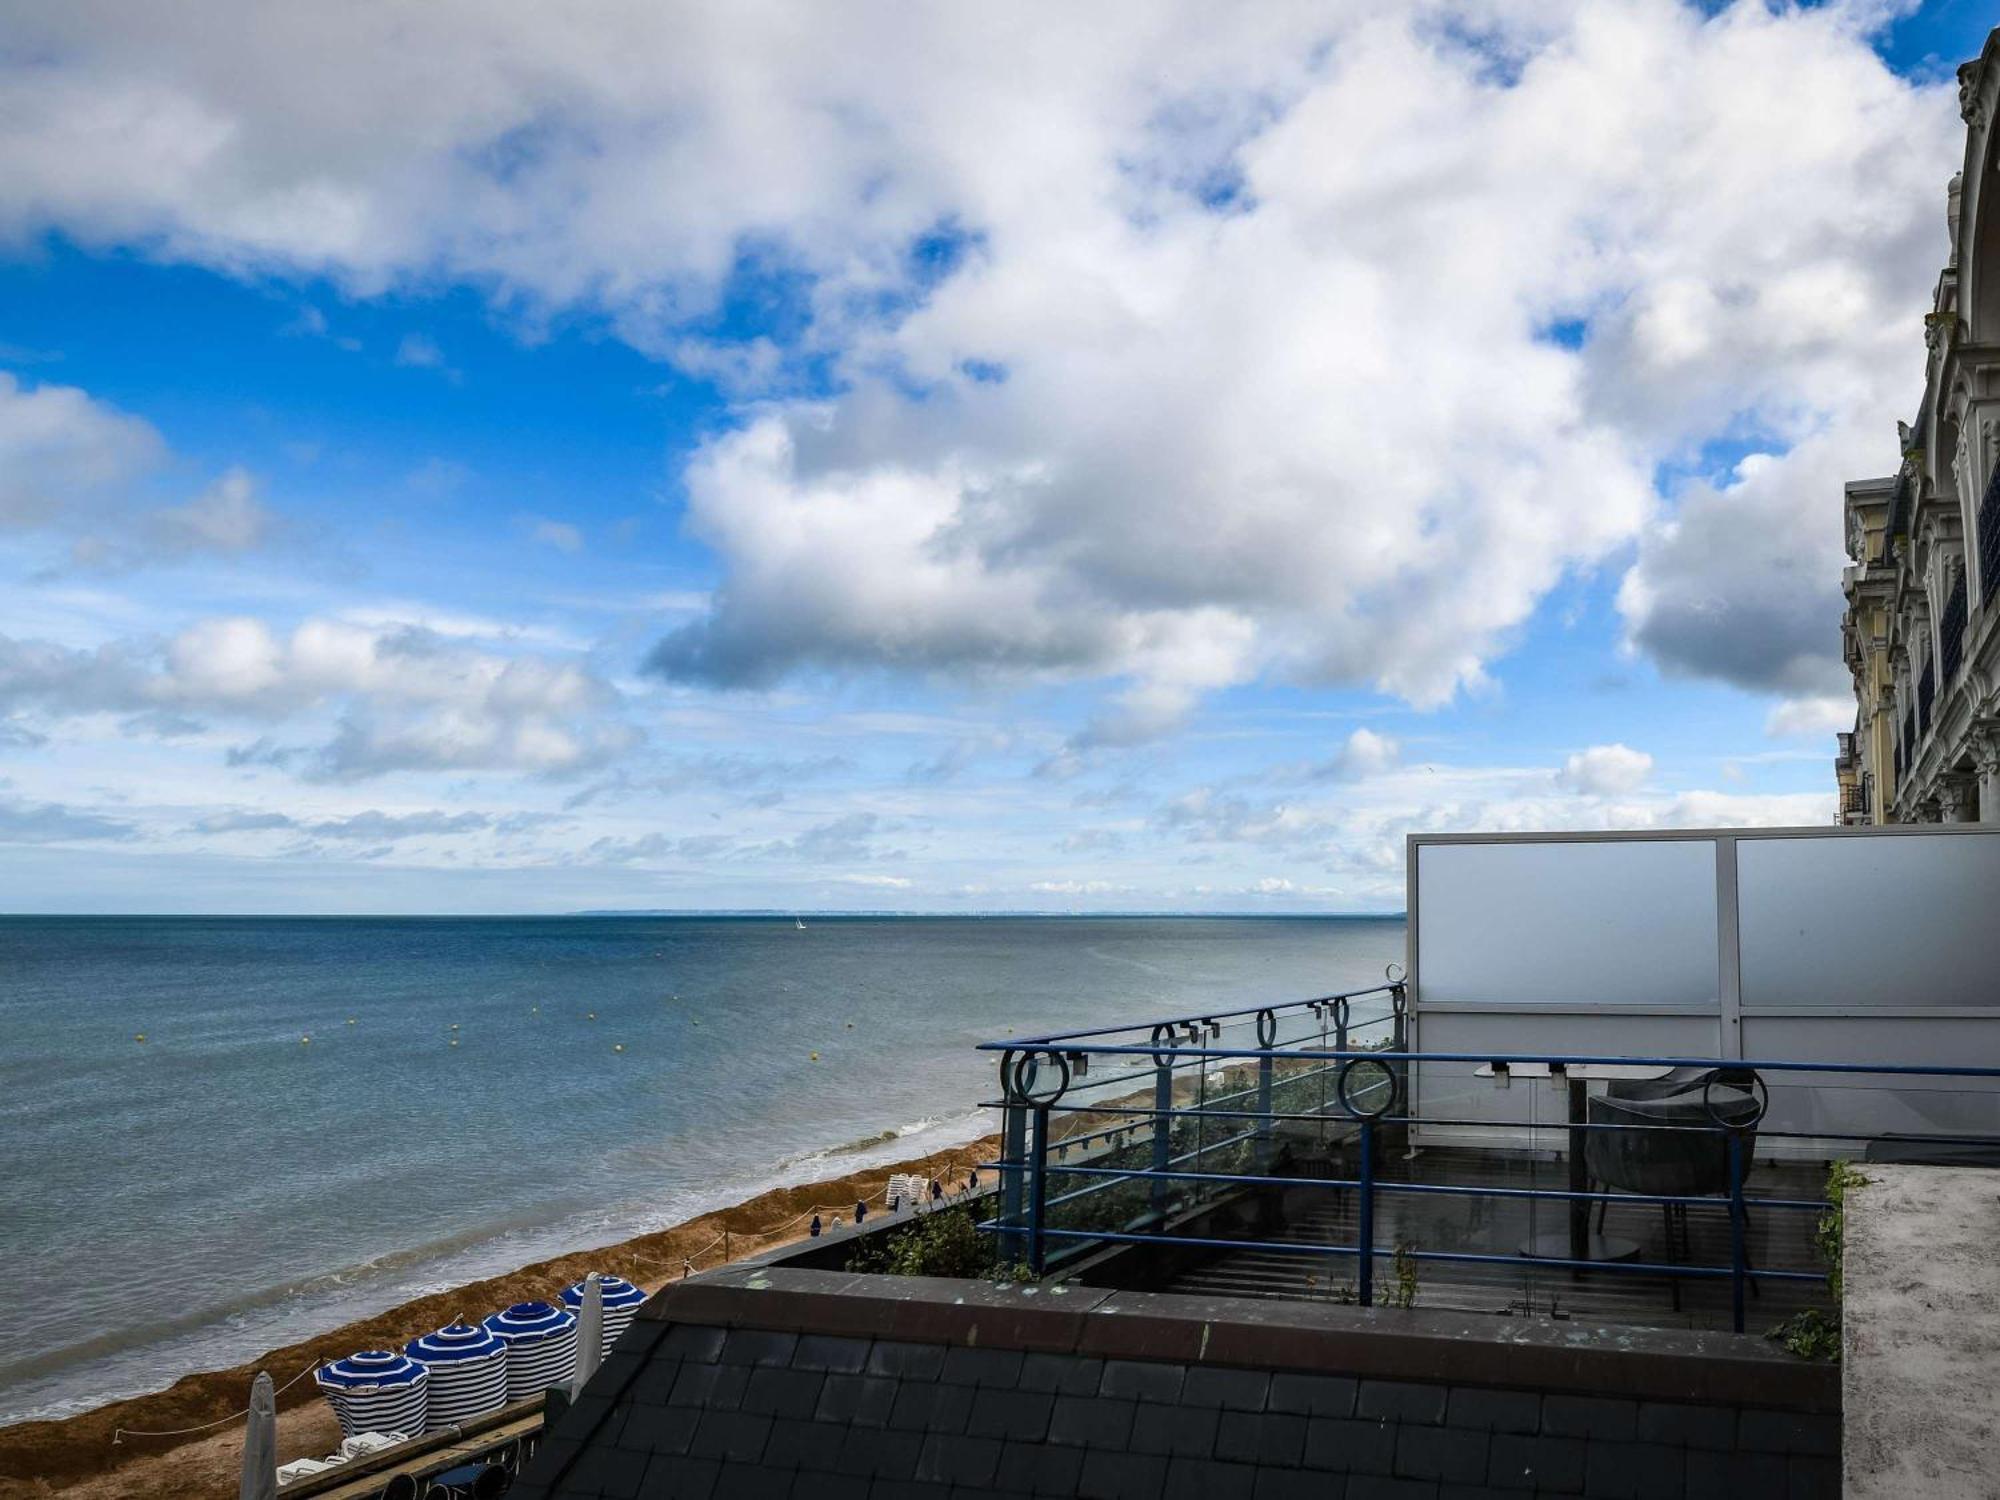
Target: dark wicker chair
{"type": "Point", "coordinates": [1684, 1081]}
{"type": "Point", "coordinates": [1682, 1163]}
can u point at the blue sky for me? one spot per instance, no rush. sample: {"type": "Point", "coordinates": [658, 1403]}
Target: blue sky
{"type": "Point", "coordinates": [1110, 463]}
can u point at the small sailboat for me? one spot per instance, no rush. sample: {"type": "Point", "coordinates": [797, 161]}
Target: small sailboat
{"type": "Point", "coordinates": [799, 922]}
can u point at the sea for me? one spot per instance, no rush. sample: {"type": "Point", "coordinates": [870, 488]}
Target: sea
{"type": "Point", "coordinates": [219, 1135]}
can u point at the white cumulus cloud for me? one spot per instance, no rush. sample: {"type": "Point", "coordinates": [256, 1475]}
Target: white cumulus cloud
{"type": "Point", "coordinates": [364, 699]}
{"type": "Point", "coordinates": [76, 467]}
{"type": "Point", "coordinates": [62, 452]}
{"type": "Point", "coordinates": [1171, 346]}
{"type": "Point", "coordinates": [1811, 716]}
{"type": "Point", "coordinates": [1605, 771]}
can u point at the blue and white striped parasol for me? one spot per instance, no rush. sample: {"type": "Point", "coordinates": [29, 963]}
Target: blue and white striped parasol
{"type": "Point", "coordinates": [468, 1367]}
{"type": "Point", "coordinates": [622, 1301]}
{"type": "Point", "coordinates": [541, 1346]}
{"type": "Point", "coordinates": [377, 1390]}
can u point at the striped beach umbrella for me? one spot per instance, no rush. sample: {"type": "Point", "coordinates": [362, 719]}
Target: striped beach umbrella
{"type": "Point", "coordinates": [622, 1301]}
{"type": "Point", "coordinates": [377, 1390]}
{"type": "Point", "coordinates": [468, 1368]}
{"type": "Point", "coordinates": [541, 1346]}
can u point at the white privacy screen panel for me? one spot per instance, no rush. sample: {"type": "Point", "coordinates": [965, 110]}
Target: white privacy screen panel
{"type": "Point", "coordinates": [1567, 923]}
{"type": "Point", "coordinates": [1869, 922]}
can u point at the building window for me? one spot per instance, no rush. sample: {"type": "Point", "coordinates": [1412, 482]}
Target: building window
{"type": "Point", "coordinates": [1926, 696]}
{"type": "Point", "coordinates": [1951, 632]}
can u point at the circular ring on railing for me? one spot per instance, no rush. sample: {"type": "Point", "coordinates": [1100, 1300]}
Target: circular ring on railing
{"type": "Point", "coordinates": [1340, 1011]}
{"type": "Point", "coordinates": [1760, 1096]}
{"type": "Point", "coordinates": [1394, 972]}
{"type": "Point", "coordinates": [1163, 1038]}
{"type": "Point", "coordinates": [1267, 1027]}
{"type": "Point", "coordinates": [1020, 1080]}
{"type": "Point", "coordinates": [1346, 1099]}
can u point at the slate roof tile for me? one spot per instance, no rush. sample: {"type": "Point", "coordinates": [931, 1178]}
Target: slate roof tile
{"type": "Point", "coordinates": [713, 1413]}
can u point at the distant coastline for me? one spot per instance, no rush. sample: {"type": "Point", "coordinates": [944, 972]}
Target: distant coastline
{"type": "Point", "coordinates": [720, 914]}
{"type": "Point", "coordinates": [862, 914]}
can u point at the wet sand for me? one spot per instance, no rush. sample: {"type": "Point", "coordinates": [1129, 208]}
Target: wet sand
{"type": "Point", "coordinates": [76, 1456]}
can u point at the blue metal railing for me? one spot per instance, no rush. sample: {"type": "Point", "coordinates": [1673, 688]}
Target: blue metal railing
{"type": "Point", "coordinates": [1043, 1077]}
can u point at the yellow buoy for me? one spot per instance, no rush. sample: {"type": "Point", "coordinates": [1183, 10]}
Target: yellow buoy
{"type": "Point", "coordinates": [139, 1037]}
{"type": "Point", "coordinates": [617, 1046]}
{"type": "Point", "coordinates": [815, 1057]}
{"type": "Point", "coordinates": [304, 1040]}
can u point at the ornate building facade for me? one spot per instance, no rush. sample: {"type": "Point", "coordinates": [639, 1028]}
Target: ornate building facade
{"type": "Point", "coordinates": [1922, 629]}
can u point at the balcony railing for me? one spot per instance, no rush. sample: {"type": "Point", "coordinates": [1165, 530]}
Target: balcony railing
{"type": "Point", "coordinates": [1294, 1143]}
{"type": "Point", "coordinates": [1951, 633]}
{"type": "Point", "coordinates": [1853, 799]}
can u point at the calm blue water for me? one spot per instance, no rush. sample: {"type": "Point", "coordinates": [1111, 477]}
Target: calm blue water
{"type": "Point", "coordinates": [223, 1187]}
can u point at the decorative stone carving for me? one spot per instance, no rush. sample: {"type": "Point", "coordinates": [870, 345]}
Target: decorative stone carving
{"type": "Point", "coordinates": [1957, 799]}
{"type": "Point", "coordinates": [1985, 745]}
{"type": "Point", "coordinates": [1971, 97]}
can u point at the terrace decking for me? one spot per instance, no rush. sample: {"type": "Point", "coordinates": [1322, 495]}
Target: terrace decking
{"type": "Point", "coordinates": [1777, 1239]}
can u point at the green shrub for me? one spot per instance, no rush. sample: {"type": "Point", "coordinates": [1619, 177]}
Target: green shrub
{"type": "Point", "coordinates": [1813, 1334]}
{"type": "Point", "coordinates": [1830, 1234]}
{"type": "Point", "coordinates": [1402, 1290]}
{"type": "Point", "coordinates": [945, 1242]}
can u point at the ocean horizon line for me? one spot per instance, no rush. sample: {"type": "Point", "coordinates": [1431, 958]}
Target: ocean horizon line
{"type": "Point", "coordinates": [714, 913]}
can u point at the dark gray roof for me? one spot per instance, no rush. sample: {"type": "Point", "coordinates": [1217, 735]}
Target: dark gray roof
{"type": "Point", "coordinates": [1008, 1396]}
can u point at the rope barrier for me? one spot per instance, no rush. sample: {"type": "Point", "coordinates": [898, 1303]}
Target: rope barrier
{"type": "Point", "coordinates": [953, 1165]}
{"type": "Point", "coordinates": [119, 1434]}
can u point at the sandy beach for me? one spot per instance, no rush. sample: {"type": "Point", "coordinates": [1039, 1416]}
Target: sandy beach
{"type": "Point", "coordinates": [76, 1456]}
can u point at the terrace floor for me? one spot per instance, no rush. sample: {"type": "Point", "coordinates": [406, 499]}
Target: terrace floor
{"type": "Point", "coordinates": [1778, 1239]}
